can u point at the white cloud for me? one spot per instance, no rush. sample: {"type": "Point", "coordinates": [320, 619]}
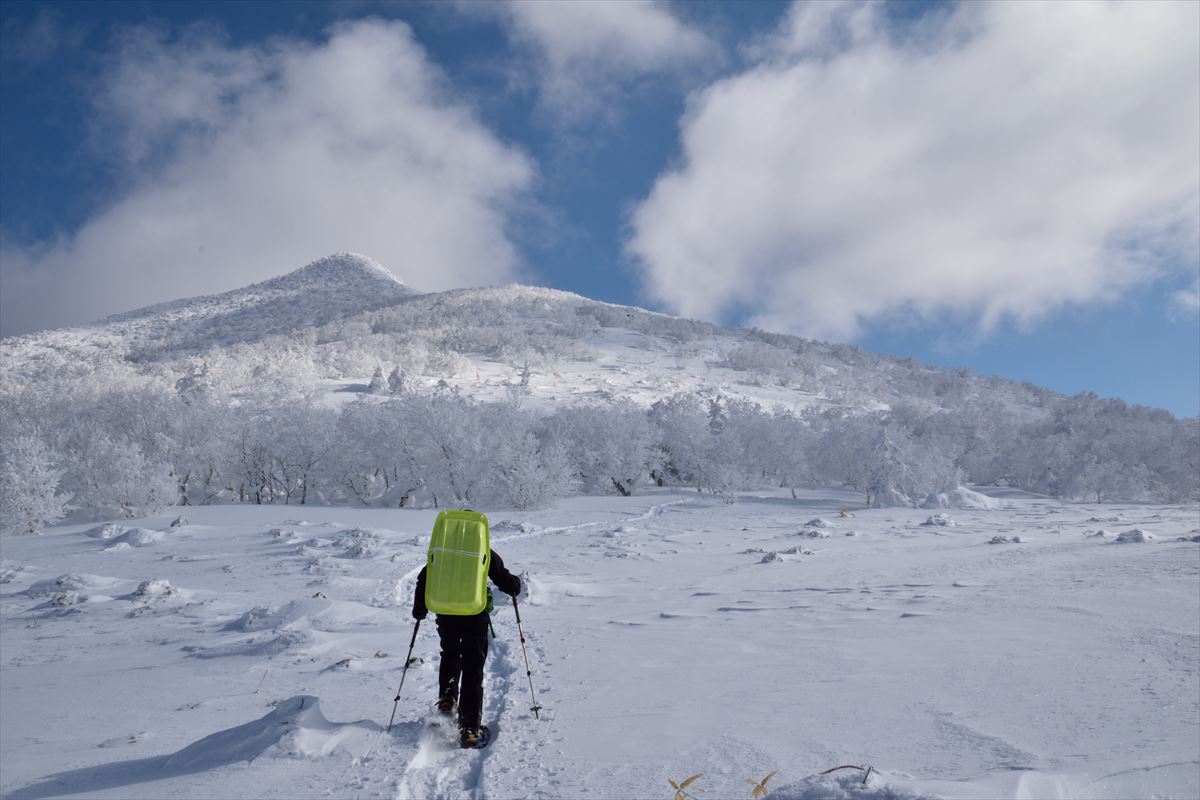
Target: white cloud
{"type": "Point", "coordinates": [1186, 302]}
{"type": "Point", "coordinates": [38, 40]}
{"type": "Point", "coordinates": [996, 162]}
{"type": "Point", "coordinates": [585, 51]}
{"type": "Point", "coordinates": [246, 162]}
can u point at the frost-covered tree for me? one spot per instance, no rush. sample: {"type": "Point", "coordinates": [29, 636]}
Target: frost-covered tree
{"type": "Point", "coordinates": [378, 384]}
{"type": "Point", "coordinates": [681, 424]}
{"type": "Point", "coordinates": [610, 448]}
{"type": "Point", "coordinates": [399, 381]}
{"type": "Point", "coordinates": [380, 454]}
{"type": "Point", "coordinates": [882, 459]}
{"type": "Point", "coordinates": [525, 470]}
{"type": "Point", "coordinates": [112, 475]}
{"type": "Point", "coordinates": [303, 440]}
{"type": "Point", "coordinates": [447, 437]}
{"type": "Point", "coordinates": [195, 383]}
{"type": "Point", "coordinates": [29, 486]}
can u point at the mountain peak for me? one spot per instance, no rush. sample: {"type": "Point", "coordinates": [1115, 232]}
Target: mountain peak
{"type": "Point", "coordinates": [335, 287]}
{"type": "Point", "coordinates": [340, 269]}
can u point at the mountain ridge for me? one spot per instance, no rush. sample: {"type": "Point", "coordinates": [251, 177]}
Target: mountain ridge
{"type": "Point", "coordinates": [518, 390]}
{"type": "Point", "coordinates": [345, 315]}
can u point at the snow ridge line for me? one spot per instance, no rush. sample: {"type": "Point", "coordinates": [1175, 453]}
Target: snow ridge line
{"type": "Point", "coordinates": [653, 511]}
{"type": "Point", "coordinates": [1142, 769]}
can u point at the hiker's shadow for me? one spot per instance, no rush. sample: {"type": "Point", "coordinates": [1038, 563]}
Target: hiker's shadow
{"type": "Point", "coordinates": [103, 776]}
{"type": "Point", "coordinates": [234, 745]}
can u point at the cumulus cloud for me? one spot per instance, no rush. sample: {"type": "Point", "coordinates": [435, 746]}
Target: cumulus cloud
{"type": "Point", "coordinates": [995, 161]}
{"type": "Point", "coordinates": [585, 51]}
{"type": "Point", "coordinates": [1186, 302]}
{"type": "Point", "coordinates": [241, 163]}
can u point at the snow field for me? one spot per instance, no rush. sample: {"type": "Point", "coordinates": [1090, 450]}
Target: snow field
{"type": "Point", "coordinates": [255, 651]}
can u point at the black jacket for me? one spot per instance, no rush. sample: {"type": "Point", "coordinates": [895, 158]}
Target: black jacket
{"type": "Point", "coordinates": [505, 581]}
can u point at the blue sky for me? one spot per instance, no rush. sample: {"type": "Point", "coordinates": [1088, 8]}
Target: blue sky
{"type": "Point", "coordinates": [951, 183]}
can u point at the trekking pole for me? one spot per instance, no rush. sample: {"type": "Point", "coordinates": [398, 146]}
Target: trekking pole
{"type": "Point", "coordinates": [403, 674]}
{"type": "Point", "coordinates": [535, 708]}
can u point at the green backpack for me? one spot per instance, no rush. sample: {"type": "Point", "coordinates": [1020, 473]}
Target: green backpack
{"type": "Point", "coordinates": [456, 570]}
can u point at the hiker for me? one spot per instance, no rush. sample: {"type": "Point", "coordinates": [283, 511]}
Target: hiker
{"type": "Point", "coordinates": [462, 630]}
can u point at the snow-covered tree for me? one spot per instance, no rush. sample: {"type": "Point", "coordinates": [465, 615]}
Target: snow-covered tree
{"type": "Point", "coordinates": [378, 384]}
{"type": "Point", "coordinates": [681, 426]}
{"type": "Point", "coordinates": [610, 448]}
{"type": "Point", "coordinates": [399, 381]}
{"type": "Point", "coordinates": [302, 442]}
{"type": "Point", "coordinates": [111, 475]}
{"type": "Point", "coordinates": [29, 486]}
{"type": "Point", "coordinates": [525, 470]}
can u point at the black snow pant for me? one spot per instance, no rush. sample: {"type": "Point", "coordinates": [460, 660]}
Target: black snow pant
{"type": "Point", "coordinates": [464, 651]}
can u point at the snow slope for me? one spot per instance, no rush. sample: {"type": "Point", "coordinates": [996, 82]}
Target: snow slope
{"type": "Point", "coordinates": [326, 290]}
{"type": "Point", "coordinates": [345, 315]}
{"type": "Point", "coordinates": [255, 652]}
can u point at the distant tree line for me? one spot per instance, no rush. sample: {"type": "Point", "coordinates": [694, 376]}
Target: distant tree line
{"type": "Point", "coordinates": [133, 450]}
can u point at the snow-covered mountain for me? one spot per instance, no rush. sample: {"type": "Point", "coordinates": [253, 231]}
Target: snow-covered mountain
{"type": "Point", "coordinates": [277, 393]}
{"type": "Point", "coordinates": [337, 319]}
{"type": "Point", "coordinates": [332, 288]}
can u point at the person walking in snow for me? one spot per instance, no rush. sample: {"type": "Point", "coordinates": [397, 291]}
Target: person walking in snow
{"type": "Point", "coordinates": [464, 642]}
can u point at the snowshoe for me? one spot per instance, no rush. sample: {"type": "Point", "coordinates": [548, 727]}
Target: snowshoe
{"type": "Point", "coordinates": [475, 738]}
{"type": "Point", "coordinates": [448, 701]}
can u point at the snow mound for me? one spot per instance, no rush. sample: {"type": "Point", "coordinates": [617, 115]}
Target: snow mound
{"type": "Point", "coordinates": [772, 556]}
{"type": "Point", "coordinates": [1135, 536]}
{"type": "Point", "coordinates": [961, 497]}
{"type": "Point", "coordinates": [813, 533]}
{"type": "Point", "coordinates": [179, 522]}
{"type": "Point", "coordinates": [940, 520]}
{"type": "Point", "coordinates": [1005, 540]}
{"type": "Point", "coordinates": [70, 582]}
{"type": "Point", "coordinates": [508, 526]}
{"type": "Point", "coordinates": [1195, 537]}
{"type": "Point", "coordinates": [66, 599]}
{"type": "Point", "coordinates": [154, 589]}
{"type": "Point", "coordinates": [295, 728]}
{"type": "Point", "coordinates": [9, 570]}
{"type": "Point", "coordinates": [819, 522]}
{"type": "Point", "coordinates": [261, 618]}
{"type": "Point", "coordinates": [259, 647]}
{"type": "Point", "coordinates": [846, 786]}
{"type": "Point", "coordinates": [135, 537]}
{"type": "Point", "coordinates": [358, 543]}
{"type": "Point", "coordinates": [106, 531]}
{"type": "Point", "coordinates": [1100, 534]}
{"type": "Point", "coordinates": [543, 593]}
